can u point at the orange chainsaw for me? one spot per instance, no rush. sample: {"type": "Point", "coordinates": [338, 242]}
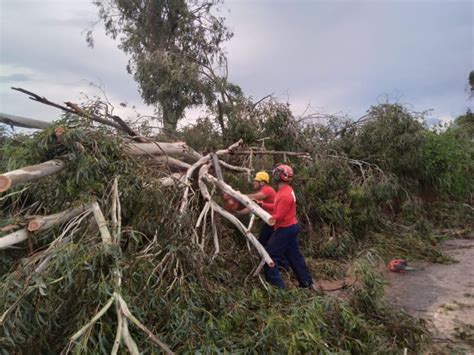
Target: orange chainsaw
{"type": "Point", "coordinates": [400, 265]}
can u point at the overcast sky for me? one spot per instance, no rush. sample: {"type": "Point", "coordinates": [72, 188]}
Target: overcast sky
{"type": "Point", "coordinates": [338, 56]}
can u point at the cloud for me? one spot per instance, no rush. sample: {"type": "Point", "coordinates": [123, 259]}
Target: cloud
{"type": "Point", "coordinates": [345, 55]}
{"type": "Point", "coordinates": [338, 56]}
{"type": "Point", "coordinates": [12, 78]}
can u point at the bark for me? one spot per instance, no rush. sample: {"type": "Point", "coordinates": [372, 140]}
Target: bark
{"type": "Point", "coordinates": [13, 238]}
{"type": "Point", "coordinates": [24, 122]}
{"type": "Point", "coordinates": [171, 162]}
{"type": "Point", "coordinates": [244, 199]}
{"type": "Point", "coordinates": [45, 222]}
{"type": "Point", "coordinates": [172, 180]}
{"type": "Point", "coordinates": [102, 224]}
{"type": "Point", "coordinates": [203, 160]}
{"type": "Point", "coordinates": [126, 312]}
{"type": "Point", "coordinates": [30, 173]}
{"type": "Point", "coordinates": [39, 224]}
{"type": "Point", "coordinates": [235, 168]}
{"type": "Point", "coordinates": [170, 119]}
{"type": "Point", "coordinates": [217, 167]}
{"type": "Point", "coordinates": [301, 155]}
{"type": "Point", "coordinates": [99, 314]}
{"type": "Point", "coordinates": [179, 149]}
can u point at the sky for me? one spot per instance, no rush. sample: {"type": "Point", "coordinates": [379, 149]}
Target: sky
{"type": "Point", "coordinates": [337, 57]}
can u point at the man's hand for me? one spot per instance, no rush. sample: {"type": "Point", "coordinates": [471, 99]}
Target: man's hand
{"type": "Point", "coordinates": [243, 211]}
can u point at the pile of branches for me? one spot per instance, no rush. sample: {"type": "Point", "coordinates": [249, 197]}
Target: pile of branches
{"type": "Point", "coordinates": [111, 238]}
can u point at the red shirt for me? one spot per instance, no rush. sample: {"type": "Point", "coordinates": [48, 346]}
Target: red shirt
{"type": "Point", "coordinates": [268, 191]}
{"type": "Point", "coordinates": [284, 208]}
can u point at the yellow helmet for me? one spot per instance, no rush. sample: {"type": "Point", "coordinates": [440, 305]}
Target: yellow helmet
{"type": "Point", "coordinates": [262, 176]}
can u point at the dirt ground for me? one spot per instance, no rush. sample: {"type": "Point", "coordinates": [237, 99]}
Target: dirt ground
{"type": "Point", "coordinates": [442, 294]}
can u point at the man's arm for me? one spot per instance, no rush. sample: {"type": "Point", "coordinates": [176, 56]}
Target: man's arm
{"type": "Point", "coordinates": [258, 196]}
{"type": "Point", "coordinates": [243, 211]}
{"type": "Point", "coordinates": [267, 206]}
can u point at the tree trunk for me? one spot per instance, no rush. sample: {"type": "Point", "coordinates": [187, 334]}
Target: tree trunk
{"type": "Point", "coordinates": [30, 173]}
{"type": "Point", "coordinates": [23, 121]}
{"type": "Point", "coordinates": [179, 149]}
{"type": "Point", "coordinates": [170, 120]}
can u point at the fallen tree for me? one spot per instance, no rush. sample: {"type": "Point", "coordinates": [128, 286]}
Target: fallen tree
{"type": "Point", "coordinates": [155, 263]}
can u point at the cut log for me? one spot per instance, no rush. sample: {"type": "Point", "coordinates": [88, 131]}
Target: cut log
{"type": "Point", "coordinates": [177, 149]}
{"type": "Point", "coordinates": [13, 238]}
{"type": "Point", "coordinates": [24, 122]}
{"type": "Point", "coordinates": [244, 199]}
{"type": "Point", "coordinates": [41, 223]}
{"type": "Point", "coordinates": [30, 173]}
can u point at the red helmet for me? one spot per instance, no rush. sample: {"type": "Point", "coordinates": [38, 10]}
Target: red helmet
{"type": "Point", "coordinates": [283, 173]}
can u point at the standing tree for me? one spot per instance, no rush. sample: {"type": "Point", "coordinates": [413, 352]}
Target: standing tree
{"type": "Point", "coordinates": [175, 48]}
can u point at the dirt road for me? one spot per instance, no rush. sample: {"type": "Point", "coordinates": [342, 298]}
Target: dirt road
{"type": "Point", "coordinates": [441, 294]}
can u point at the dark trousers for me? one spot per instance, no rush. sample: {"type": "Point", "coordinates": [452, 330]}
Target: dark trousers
{"type": "Point", "coordinates": [283, 244]}
{"type": "Point", "coordinates": [265, 234]}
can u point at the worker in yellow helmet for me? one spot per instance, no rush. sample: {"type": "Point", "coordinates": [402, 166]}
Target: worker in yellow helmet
{"type": "Point", "coordinates": [264, 195]}
{"type": "Point", "coordinates": [263, 191]}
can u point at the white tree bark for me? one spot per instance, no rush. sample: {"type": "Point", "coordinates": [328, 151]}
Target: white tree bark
{"type": "Point", "coordinates": [234, 220]}
{"type": "Point", "coordinates": [171, 162]}
{"type": "Point", "coordinates": [244, 199]}
{"type": "Point", "coordinates": [102, 224]}
{"type": "Point", "coordinates": [203, 160]}
{"type": "Point", "coordinates": [179, 149]}
{"type": "Point", "coordinates": [30, 173]}
{"type": "Point", "coordinates": [40, 224]}
{"type": "Point", "coordinates": [24, 122]}
{"type": "Point", "coordinates": [173, 179]}
{"type": "Point", "coordinates": [13, 238]}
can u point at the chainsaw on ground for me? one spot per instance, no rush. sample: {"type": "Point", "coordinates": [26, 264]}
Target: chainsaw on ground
{"type": "Point", "coordinates": [400, 265]}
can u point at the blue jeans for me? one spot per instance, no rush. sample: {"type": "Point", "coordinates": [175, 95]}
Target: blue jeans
{"type": "Point", "coordinates": [283, 244]}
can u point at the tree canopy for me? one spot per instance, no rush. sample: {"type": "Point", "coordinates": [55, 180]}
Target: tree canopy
{"type": "Point", "coordinates": [175, 47]}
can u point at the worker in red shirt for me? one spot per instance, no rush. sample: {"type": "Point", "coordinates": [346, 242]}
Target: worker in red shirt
{"type": "Point", "coordinates": [264, 194]}
{"type": "Point", "coordinates": [283, 243]}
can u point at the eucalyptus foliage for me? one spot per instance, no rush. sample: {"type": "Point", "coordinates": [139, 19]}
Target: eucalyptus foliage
{"type": "Point", "coordinates": [355, 200]}
{"type": "Point", "coordinates": [175, 47]}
